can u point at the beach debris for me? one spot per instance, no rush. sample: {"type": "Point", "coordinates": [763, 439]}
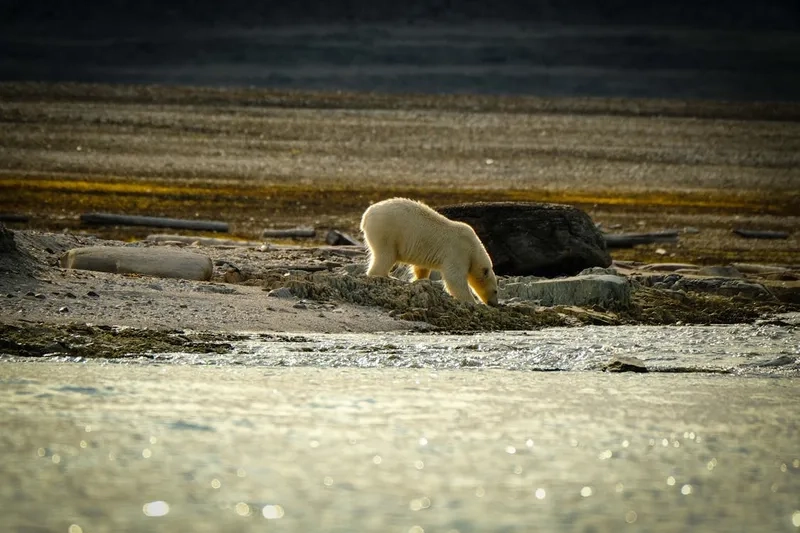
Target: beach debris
{"type": "Point", "coordinates": [110, 219]}
{"type": "Point", "coordinates": [625, 364]}
{"type": "Point", "coordinates": [755, 234]}
{"type": "Point", "coordinates": [629, 240]}
{"type": "Point", "coordinates": [158, 262]}
{"type": "Point", "coordinates": [534, 239]}
{"type": "Point", "coordinates": [338, 238]}
{"type": "Point", "coordinates": [289, 233]}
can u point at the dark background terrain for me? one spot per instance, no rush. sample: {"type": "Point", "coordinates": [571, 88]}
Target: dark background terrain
{"type": "Point", "coordinates": [680, 49]}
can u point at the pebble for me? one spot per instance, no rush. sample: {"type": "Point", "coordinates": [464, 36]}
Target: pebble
{"type": "Point", "coordinates": [625, 364]}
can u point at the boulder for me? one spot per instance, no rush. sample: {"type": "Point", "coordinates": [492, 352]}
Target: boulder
{"type": "Point", "coordinates": [608, 291]}
{"type": "Point", "coordinates": [724, 287]}
{"type": "Point", "coordinates": [534, 239]}
{"type": "Point", "coordinates": [159, 262]}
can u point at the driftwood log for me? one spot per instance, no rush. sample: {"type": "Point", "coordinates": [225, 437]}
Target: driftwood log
{"type": "Point", "coordinates": [202, 241]}
{"type": "Point", "coordinates": [159, 262]}
{"type": "Point", "coordinates": [761, 234]}
{"type": "Point", "coordinates": [110, 219]}
{"type": "Point", "coordinates": [629, 240]}
{"type": "Point", "coordinates": [13, 217]}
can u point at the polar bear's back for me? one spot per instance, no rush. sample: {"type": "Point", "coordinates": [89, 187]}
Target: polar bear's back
{"type": "Point", "coordinates": [414, 232]}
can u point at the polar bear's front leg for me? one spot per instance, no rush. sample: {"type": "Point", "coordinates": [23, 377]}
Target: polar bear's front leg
{"type": "Point", "coordinates": [455, 282]}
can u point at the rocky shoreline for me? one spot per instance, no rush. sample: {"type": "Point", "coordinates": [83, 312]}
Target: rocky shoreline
{"type": "Point", "coordinates": [47, 309]}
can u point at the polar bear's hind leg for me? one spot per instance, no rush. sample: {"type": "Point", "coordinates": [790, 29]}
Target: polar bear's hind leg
{"type": "Point", "coordinates": [381, 260]}
{"type": "Point", "coordinates": [421, 273]}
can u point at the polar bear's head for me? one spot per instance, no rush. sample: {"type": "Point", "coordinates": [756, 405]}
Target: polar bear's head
{"type": "Point", "coordinates": [484, 282]}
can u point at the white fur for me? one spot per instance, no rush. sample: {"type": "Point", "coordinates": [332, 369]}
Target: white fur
{"type": "Point", "coordinates": [400, 230]}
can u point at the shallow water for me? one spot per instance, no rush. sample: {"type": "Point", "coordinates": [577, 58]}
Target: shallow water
{"type": "Point", "coordinates": [150, 448]}
{"type": "Point", "coordinates": [741, 348]}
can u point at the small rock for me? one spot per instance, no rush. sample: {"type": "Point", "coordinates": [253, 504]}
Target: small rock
{"type": "Point", "coordinates": [40, 296]}
{"type": "Point", "coordinates": [70, 295]}
{"type": "Point", "coordinates": [92, 294]}
{"type": "Point", "coordinates": [300, 305]}
{"type": "Point", "coordinates": [282, 292]}
{"type": "Point", "coordinates": [721, 271]}
{"type": "Point", "coordinates": [625, 364]}
{"type": "Point", "coordinates": [63, 309]}
{"type": "Point", "coordinates": [661, 251]}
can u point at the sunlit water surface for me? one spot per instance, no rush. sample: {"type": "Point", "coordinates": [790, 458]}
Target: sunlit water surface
{"type": "Point", "coordinates": [451, 433]}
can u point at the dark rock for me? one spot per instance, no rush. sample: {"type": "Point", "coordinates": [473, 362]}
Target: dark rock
{"type": "Point", "coordinates": [527, 238]}
{"type": "Point", "coordinates": [625, 364]}
{"type": "Point", "coordinates": [725, 287]}
{"type": "Point", "coordinates": [338, 238]}
{"type": "Point", "coordinates": [720, 271]}
{"type": "Point", "coordinates": [7, 244]}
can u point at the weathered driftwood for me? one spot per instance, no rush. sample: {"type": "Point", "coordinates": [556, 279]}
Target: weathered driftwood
{"type": "Point", "coordinates": [338, 238]}
{"type": "Point", "coordinates": [666, 267]}
{"type": "Point", "coordinates": [159, 262]}
{"type": "Point", "coordinates": [526, 238]}
{"type": "Point", "coordinates": [757, 234]}
{"type": "Point", "coordinates": [288, 233]}
{"type": "Point", "coordinates": [203, 241]}
{"type": "Point", "coordinates": [13, 217]}
{"type": "Point", "coordinates": [307, 268]}
{"type": "Point", "coordinates": [629, 240]}
{"type": "Point", "coordinates": [110, 219]}
{"type": "Point", "coordinates": [343, 250]}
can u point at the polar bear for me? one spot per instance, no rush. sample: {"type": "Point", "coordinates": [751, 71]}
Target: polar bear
{"type": "Point", "coordinates": [399, 230]}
